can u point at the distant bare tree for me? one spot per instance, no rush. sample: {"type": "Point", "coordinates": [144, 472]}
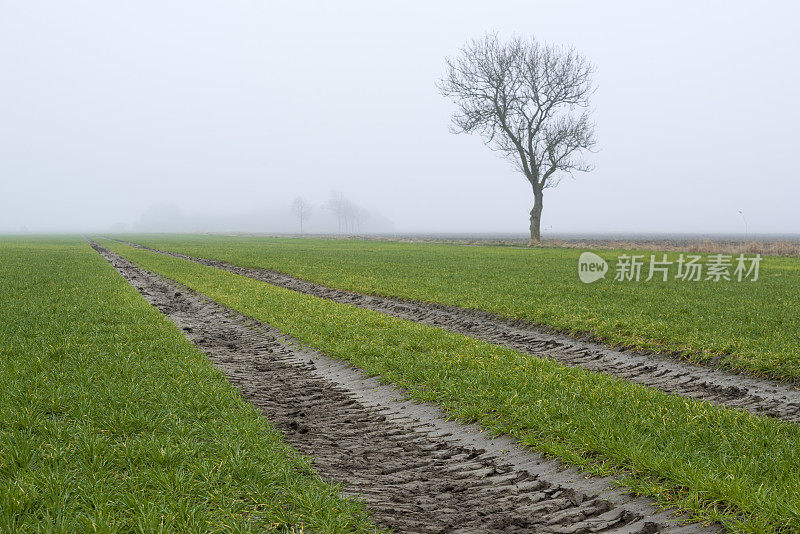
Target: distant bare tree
{"type": "Point", "coordinates": [354, 215]}
{"type": "Point", "coordinates": [338, 205]}
{"type": "Point", "coordinates": [529, 101]}
{"type": "Point", "coordinates": [302, 210]}
{"type": "Point", "coordinates": [349, 215]}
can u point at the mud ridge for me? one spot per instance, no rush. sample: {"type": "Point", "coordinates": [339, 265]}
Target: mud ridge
{"type": "Point", "coordinates": [416, 471]}
{"type": "Point", "coordinates": [717, 386]}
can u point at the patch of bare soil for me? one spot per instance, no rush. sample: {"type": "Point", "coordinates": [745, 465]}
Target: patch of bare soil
{"type": "Point", "coordinates": [417, 471]}
{"type": "Point", "coordinates": [767, 247]}
{"type": "Point", "coordinates": [758, 396]}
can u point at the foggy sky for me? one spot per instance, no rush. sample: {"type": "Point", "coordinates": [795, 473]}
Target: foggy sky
{"type": "Point", "coordinates": [226, 111]}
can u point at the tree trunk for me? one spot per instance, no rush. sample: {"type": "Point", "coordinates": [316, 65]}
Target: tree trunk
{"type": "Point", "coordinates": [536, 216]}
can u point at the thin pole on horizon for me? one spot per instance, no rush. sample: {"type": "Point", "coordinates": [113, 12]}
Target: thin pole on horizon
{"type": "Point", "coordinates": [745, 224]}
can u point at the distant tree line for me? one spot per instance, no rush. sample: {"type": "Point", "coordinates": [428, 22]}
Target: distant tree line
{"type": "Point", "coordinates": [349, 216]}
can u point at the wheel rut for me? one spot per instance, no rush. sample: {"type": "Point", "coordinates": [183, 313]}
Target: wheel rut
{"type": "Point", "coordinates": [758, 396]}
{"type": "Point", "coordinates": [416, 471]}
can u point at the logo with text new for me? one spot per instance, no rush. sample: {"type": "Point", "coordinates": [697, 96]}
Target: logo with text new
{"type": "Point", "coordinates": [591, 267]}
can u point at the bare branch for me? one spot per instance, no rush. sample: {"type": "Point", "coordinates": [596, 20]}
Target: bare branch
{"type": "Point", "coordinates": [520, 96]}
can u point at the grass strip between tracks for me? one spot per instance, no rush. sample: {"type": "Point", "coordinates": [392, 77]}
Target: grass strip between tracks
{"type": "Point", "coordinates": [112, 421]}
{"type": "Point", "coordinates": [750, 327]}
{"type": "Point", "coordinates": [716, 463]}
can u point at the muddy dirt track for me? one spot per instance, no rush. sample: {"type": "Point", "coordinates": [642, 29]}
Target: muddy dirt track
{"type": "Point", "coordinates": [762, 397]}
{"type": "Point", "coordinates": [415, 470]}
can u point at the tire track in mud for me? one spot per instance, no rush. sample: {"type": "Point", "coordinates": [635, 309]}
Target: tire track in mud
{"type": "Point", "coordinates": [725, 388]}
{"type": "Point", "coordinates": [416, 471]}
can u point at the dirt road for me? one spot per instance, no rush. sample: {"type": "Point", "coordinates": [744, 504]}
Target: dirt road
{"type": "Point", "coordinates": [415, 470]}
{"type": "Point", "coordinates": [758, 396]}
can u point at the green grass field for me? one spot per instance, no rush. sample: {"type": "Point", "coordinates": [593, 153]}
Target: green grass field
{"type": "Point", "coordinates": [715, 463]}
{"type": "Point", "coordinates": [752, 327]}
{"type": "Point", "coordinates": [111, 421]}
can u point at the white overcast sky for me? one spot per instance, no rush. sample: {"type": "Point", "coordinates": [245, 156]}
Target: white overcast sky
{"type": "Point", "coordinates": [109, 109]}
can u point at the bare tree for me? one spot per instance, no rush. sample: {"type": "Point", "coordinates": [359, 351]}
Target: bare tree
{"type": "Point", "coordinates": [338, 205]}
{"type": "Point", "coordinates": [349, 215]}
{"type": "Point", "coordinates": [302, 210]}
{"type": "Point", "coordinates": [528, 101]}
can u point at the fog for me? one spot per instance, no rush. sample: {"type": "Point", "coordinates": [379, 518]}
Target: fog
{"type": "Point", "coordinates": [215, 115]}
